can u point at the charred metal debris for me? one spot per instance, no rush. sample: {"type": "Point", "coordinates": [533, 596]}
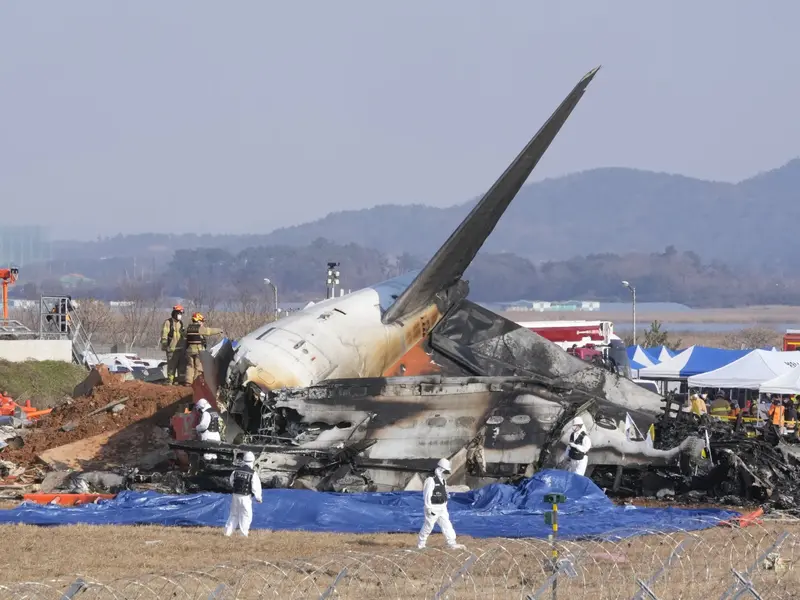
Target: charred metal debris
{"type": "Point", "coordinates": [740, 465]}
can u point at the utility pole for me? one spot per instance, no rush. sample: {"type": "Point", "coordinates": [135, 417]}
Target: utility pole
{"type": "Point", "coordinates": [333, 279]}
{"type": "Point", "coordinates": [633, 293]}
{"type": "Point", "coordinates": [275, 295]}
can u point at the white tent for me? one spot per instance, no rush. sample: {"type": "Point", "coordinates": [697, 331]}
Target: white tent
{"type": "Point", "coordinates": [748, 372]}
{"type": "Point", "coordinates": [788, 383]}
{"type": "Point", "coordinates": [692, 361]}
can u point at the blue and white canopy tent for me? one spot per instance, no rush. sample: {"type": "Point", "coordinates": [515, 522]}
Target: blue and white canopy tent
{"type": "Point", "coordinates": [692, 361]}
{"type": "Point", "coordinates": [660, 353]}
{"type": "Point", "coordinates": [639, 359]}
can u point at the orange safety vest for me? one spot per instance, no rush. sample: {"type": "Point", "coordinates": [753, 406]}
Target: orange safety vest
{"type": "Point", "coordinates": [776, 412]}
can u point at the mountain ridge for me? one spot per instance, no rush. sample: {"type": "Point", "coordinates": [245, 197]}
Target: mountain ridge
{"type": "Point", "coordinates": [607, 202]}
{"type": "Point", "coordinates": [605, 209]}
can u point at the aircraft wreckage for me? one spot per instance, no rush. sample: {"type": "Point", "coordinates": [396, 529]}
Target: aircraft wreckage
{"type": "Point", "coordinates": [369, 390]}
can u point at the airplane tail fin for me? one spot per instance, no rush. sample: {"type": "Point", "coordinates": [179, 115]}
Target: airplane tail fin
{"type": "Point", "coordinates": [451, 260]}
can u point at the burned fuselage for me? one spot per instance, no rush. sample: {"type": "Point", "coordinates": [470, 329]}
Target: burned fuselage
{"type": "Point", "coordinates": [387, 430]}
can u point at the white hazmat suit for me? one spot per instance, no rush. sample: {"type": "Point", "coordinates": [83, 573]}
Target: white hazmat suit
{"type": "Point", "coordinates": [577, 452]}
{"type": "Point", "coordinates": [207, 428]}
{"type": "Point", "coordinates": [246, 486]}
{"type": "Point", "coordinates": [434, 497]}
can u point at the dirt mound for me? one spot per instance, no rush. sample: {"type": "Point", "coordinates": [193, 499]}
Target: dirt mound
{"type": "Point", "coordinates": [145, 402]}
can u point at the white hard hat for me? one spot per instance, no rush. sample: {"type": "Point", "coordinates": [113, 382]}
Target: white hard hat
{"type": "Point", "coordinates": [577, 422]}
{"type": "Point", "coordinates": [249, 458]}
{"type": "Point", "coordinates": [444, 465]}
{"type": "Point", "coordinates": [203, 404]}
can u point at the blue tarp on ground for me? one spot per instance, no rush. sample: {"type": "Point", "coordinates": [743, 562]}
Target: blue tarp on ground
{"type": "Point", "coordinates": [497, 510]}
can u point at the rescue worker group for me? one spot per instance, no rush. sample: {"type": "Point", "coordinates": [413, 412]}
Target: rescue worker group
{"type": "Point", "coordinates": [246, 486]}
{"type": "Point", "coordinates": [184, 344]}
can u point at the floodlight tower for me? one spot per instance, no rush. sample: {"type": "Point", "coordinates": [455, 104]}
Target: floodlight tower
{"type": "Point", "coordinates": [628, 285]}
{"type": "Point", "coordinates": [333, 279]}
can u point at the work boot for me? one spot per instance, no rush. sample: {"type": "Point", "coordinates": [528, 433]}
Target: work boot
{"type": "Point", "coordinates": [420, 546]}
{"type": "Point", "coordinates": [457, 547]}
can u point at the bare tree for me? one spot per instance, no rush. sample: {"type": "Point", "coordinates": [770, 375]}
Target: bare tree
{"type": "Point", "coordinates": [204, 296]}
{"type": "Point", "coordinates": [95, 316]}
{"type": "Point", "coordinates": [28, 316]}
{"type": "Point", "coordinates": [248, 309]}
{"type": "Point", "coordinates": [752, 337]}
{"type": "Point", "coordinates": [142, 302]}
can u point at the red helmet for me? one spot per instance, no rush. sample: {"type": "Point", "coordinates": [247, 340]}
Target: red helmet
{"type": "Point", "coordinates": [177, 308]}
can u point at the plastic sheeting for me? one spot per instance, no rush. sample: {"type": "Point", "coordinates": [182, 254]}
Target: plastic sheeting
{"type": "Point", "coordinates": [497, 510]}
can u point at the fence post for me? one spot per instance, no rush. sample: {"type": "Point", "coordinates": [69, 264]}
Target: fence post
{"type": "Point", "coordinates": [564, 566]}
{"type": "Point", "coordinates": [457, 575]}
{"type": "Point", "coordinates": [744, 578]}
{"type": "Point", "coordinates": [333, 585]}
{"type": "Point", "coordinates": [645, 586]}
{"type": "Point", "coordinates": [77, 586]}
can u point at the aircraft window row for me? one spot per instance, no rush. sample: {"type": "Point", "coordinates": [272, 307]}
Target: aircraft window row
{"type": "Point", "coordinates": [439, 421]}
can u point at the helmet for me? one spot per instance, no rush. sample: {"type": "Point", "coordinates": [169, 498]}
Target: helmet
{"type": "Point", "coordinates": [249, 458]}
{"type": "Point", "coordinates": [577, 422]}
{"type": "Point", "coordinates": [444, 465]}
{"type": "Point", "coordinates": [198, 318]}
{"type": "Point", "coordinates": [177, 308]}
{"type": "Point", "coordinates": [203, 404]}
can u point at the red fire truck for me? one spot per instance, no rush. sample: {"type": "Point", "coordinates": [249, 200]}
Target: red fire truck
{"type": "Point", "coordinates": [791, 340]}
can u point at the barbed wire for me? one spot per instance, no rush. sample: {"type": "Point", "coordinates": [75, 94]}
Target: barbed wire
{"type": "Point", "coordinates": [721, 562]}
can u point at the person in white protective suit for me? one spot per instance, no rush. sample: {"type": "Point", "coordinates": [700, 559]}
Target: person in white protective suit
{"type": "Point", "coordinates": [434, 496]}
{"type": "Point", "coordinates": [578, 447]}
{"type": "Point", "coordinates": [246, 486]}
{"type": "Point", "coordinates": [209, 426]}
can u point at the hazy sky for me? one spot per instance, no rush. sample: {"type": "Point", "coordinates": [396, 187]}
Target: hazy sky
{"type": "Point", "coordinates": [240, 117]}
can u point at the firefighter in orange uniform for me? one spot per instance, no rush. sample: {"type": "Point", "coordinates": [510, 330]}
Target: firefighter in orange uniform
{"type": "Point", "coordinates": [776, 418]}
{"type": "Point", "coordinates": [196, 342]}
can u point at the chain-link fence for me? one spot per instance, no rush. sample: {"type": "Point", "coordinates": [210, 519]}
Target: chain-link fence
{"type": "Point", "coordinates": [756, 561]}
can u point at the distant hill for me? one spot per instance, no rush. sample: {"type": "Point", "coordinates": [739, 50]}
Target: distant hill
{"type": "Point", "coordinates": [613, 210]}
{"type": "Point", "coordinates": [610, 210]}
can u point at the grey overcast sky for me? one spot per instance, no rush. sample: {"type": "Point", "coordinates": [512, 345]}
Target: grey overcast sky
{"type": "Point", "coordinates": [240, 117]}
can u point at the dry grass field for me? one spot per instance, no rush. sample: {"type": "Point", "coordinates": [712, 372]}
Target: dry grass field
{"type": "Point", "coordinates": [159, 562]}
